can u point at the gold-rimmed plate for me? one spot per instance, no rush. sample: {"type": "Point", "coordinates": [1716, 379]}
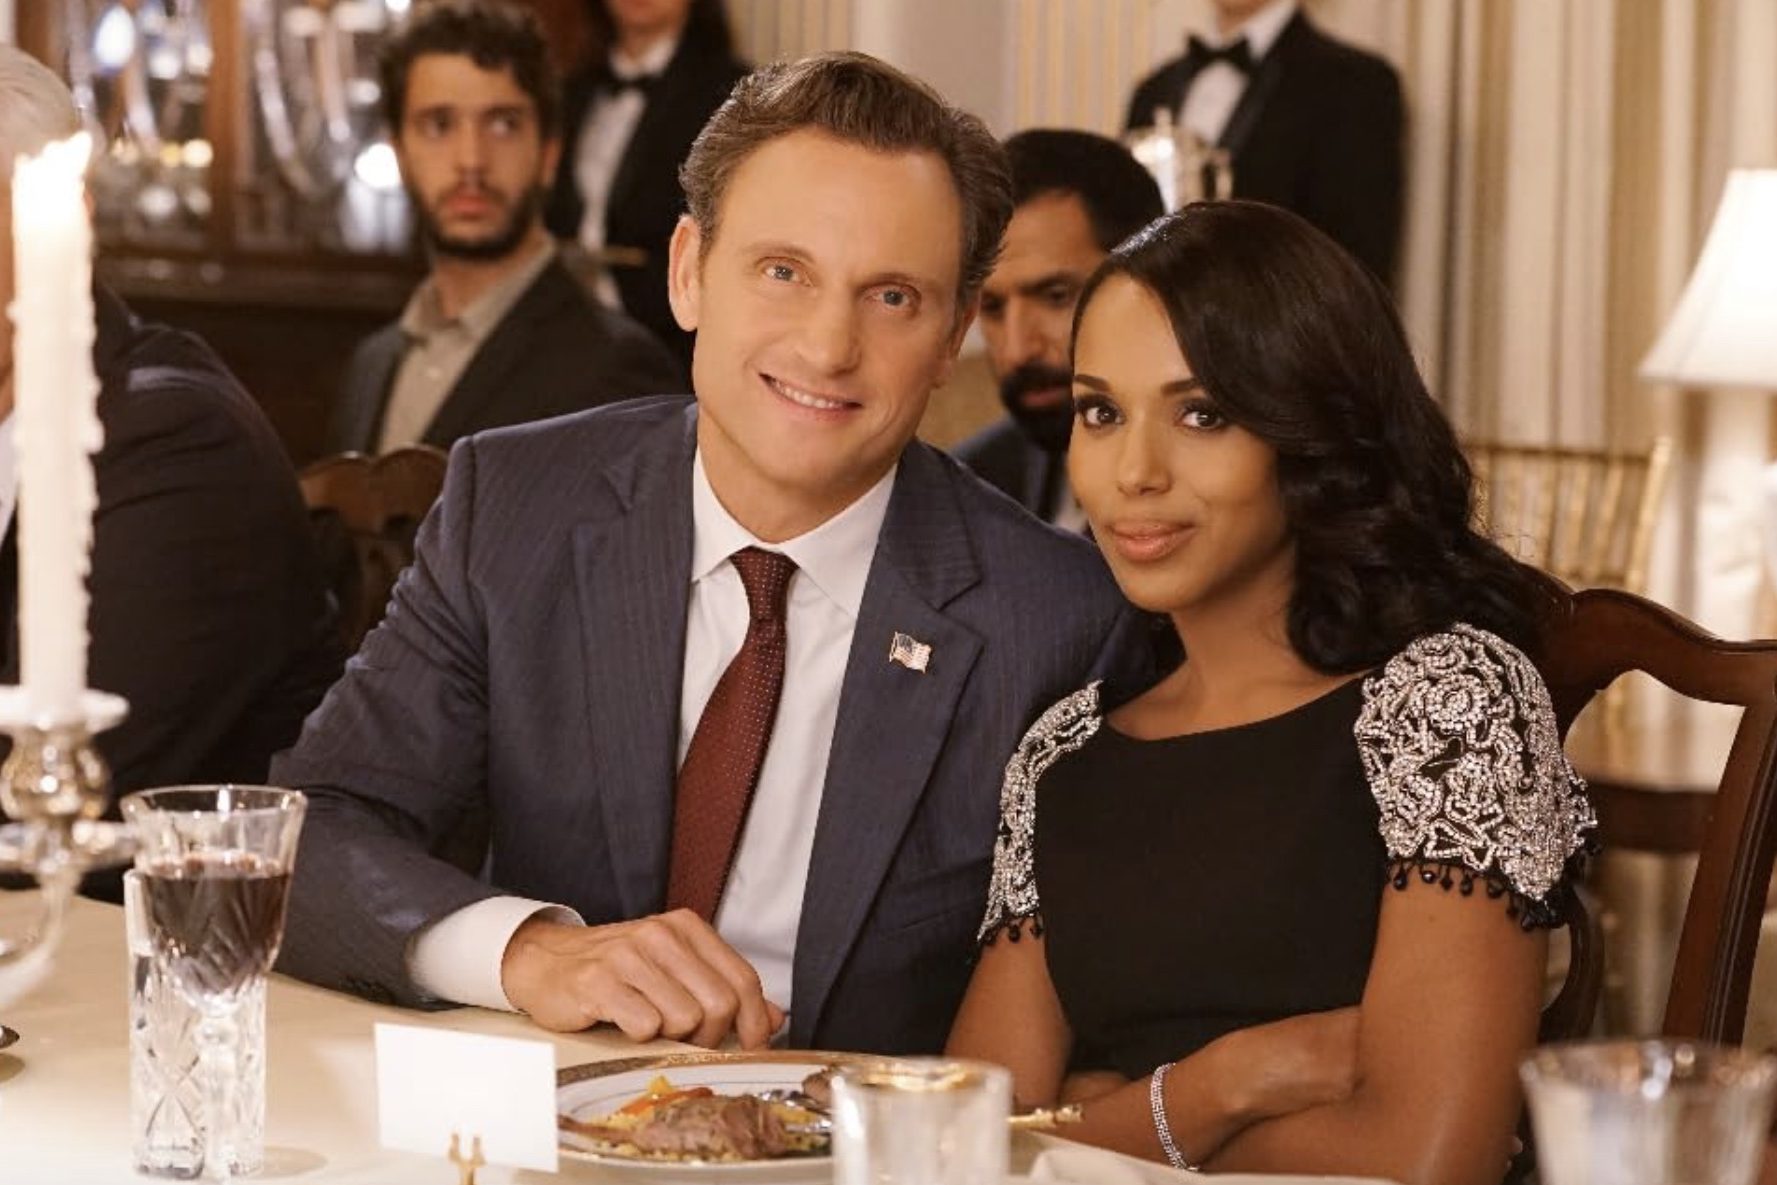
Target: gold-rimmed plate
{"type": "Point", "coordinates": [591, 1091]}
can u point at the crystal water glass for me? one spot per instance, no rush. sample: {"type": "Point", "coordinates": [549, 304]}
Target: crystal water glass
{"type": "Point", "coordinates": [921, 1121]}
{"type": "Point", "coordinates": [166, 1087]}
{"type": "Point", "coordinates": [213, 873]}
{"type": "Point", "coordinates": [1648, 1112]}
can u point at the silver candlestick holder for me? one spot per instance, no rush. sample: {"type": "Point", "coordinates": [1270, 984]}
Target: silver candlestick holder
{"type": "Point", "coordinates": [54, 786]}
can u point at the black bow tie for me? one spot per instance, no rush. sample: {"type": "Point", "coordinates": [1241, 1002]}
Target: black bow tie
{"type": "Point", "coordinates": [1238, 54]}
{"type": "Point", "coordinates": [642, 84]}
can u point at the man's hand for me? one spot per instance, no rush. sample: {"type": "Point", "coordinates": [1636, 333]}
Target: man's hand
{"type": "Point", "coordinates": [1289, 1065]}
{"type": "Point", "coordinates": [670, 975]}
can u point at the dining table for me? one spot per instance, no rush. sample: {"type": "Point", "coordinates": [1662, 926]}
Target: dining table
{"type": "Point", "coordinates": [64, 1084]}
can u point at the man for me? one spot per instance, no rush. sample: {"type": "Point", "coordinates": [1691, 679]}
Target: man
{"type": "Point", "coordinates": [208, 614]}
{"type": "Point", "coordinates": [656, 71]}
{"type": "Point", "coordinates": [1310, 123]}
{"type": "Point", "coordinates": [621, 625]}
{"type": "Point", "coordinates": [1078, 195]}
{"type": "Point", "coordinates": [499, 332]}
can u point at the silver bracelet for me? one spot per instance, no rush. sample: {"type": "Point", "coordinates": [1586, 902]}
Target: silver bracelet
{"type": "Point", "coordinates": [1157, 1104]}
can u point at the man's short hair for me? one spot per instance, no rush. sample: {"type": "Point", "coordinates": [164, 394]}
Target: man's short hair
{"type": "Point", "coordinates": [493, 34]}
{"type": "Point", "coordinates": [35, 107]}
{"type": "Point", "coordinates": [856, 99]}
{"type": "Point", "coordinates": [1119, 195]}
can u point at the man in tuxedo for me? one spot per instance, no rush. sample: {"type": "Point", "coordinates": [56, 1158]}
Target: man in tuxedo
{"type": "Point", "coordinates": [728, 686]}
{"type": "Point", "coordinates": [1310, 123]}
{"type": "Point", "coordinates": [208, 609]}
{"type": "Point", "coordinates": [499, 332]}
{"type": "Point", "coordinates": [657, 70]}
{"type": "Point", "coordinates": [1078, 195]}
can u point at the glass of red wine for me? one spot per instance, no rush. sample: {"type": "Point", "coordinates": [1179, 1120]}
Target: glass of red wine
{"type": "Point", "coordinates": [215, 863]}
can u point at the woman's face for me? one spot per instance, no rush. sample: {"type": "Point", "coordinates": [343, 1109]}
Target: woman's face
{"type": "Point", "coordinates": [1183, 503]}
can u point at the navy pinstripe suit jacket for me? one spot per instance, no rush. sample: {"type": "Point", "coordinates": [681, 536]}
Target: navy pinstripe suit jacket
{"type": "Point", "coordinates": [525, 687]}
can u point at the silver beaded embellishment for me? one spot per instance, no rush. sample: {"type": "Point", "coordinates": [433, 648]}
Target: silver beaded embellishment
{"type": "Point", "coordinates": [1460, 747]}
{"type": "Point", "coordinates": [1012, 893]}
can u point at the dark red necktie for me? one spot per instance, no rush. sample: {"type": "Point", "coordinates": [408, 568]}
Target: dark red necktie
{"type": "Point", "coordinates": [728, 749]}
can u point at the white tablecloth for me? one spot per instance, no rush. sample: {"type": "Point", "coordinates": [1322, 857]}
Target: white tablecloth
{"type": "Point", "coordinates": [64, 1095]}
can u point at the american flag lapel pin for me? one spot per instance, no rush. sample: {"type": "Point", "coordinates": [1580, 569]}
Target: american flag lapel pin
{"type": "Point", "coordinates": [910, 652]}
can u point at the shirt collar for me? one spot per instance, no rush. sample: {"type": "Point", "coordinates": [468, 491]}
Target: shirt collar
{"type": "Point", "coordinates": [651, 62]}
{"type": "Point", "coordinates": [422, 318]}
{"type": "Point", "coordinates": [835, 555]}
{"type": "Point", "coordinates": [1261, 29]}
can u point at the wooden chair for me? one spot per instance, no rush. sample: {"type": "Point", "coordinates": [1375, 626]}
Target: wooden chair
{"type": "Point", "coordinates": [365, 512]}
{"type": "Point", "coordinates": [1596, 636]}
{"type": "Point", "coordinates": [1585, 516]}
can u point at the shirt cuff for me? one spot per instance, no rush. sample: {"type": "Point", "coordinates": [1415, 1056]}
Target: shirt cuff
{"type": "Point", "coordinates": [458, 957]}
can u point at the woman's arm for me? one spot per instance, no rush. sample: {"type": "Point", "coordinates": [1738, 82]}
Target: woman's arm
{"type": "Point", "coordinates": [1012, 1016]}
{"type": "Point", "coordinates": [1450, 1007]}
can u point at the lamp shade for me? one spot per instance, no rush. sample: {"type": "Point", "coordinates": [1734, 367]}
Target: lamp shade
{"type": "Point", "coordinates": [1724, 331]}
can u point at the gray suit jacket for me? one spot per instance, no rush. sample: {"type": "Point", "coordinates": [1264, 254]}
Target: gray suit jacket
{"type": "Point", "coordinates": [557, 351]}
{"type": "Point", "coordinates": [526, 680]}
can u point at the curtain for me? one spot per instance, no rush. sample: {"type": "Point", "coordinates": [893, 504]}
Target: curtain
{"type": "Point", "coordinates": [1565, 160]}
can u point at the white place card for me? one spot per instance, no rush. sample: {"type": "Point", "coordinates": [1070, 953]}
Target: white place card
{"type": "Point", "coordinates": [435, 1083]}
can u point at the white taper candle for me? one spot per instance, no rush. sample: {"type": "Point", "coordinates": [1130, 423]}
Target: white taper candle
{"type": "Point", "coordinates": [56, 422]}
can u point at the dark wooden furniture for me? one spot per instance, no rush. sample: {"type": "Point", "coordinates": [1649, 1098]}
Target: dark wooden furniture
{"type": "Point", "coordinates": [365, 512]}
{"type": "Point", "coordinates": [1595, 637]}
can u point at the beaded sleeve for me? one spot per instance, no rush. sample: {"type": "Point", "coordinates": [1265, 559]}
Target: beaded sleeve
{"type": "Point", "coordinates": [1459, 745]}
{"type": "Point", "coordinates": [1012, 894]}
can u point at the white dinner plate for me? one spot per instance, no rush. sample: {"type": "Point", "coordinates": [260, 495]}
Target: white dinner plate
{"type": "Point", "coordinates": [599, 1088]}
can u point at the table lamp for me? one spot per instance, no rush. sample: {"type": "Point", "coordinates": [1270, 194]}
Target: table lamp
{"type": "Point", "coordinates": [1724, 331]}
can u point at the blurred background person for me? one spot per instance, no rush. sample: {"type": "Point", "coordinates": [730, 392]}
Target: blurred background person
{"type": "Point", "coordinates": [208, 612]}
{"type": "Point", "coordinates": [499, 332]}
{"type": "Point", "coordinates": [657, 70]}
{"type": "Point", "coordinates": [1078, 195]}
{"type": "Point", "coordinates": [1311, 124]}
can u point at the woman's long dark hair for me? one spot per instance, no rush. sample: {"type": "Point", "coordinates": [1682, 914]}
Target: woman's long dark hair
{"type": "Point", "coordinates": [1302, 347]}
{"type": "Point", "coordinates": [706, 29]}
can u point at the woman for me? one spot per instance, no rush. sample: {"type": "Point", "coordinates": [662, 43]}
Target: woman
{"type": "Point", "coordinates": [1284, 912]}
{"type": "Point", "coordinates": [658, 69]}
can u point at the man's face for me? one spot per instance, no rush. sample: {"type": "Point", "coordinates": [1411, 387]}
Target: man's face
{"type": "Point", "coordinates": [1027, 312]}
{"type": "Point", "coordinates": [826, 311]}
{"type": "Point", "coordinates": [472, 156]}
{"type": "Point", "coordinates": [648, 17]}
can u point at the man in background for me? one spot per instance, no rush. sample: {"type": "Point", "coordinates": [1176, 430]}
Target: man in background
{"type": "Point", "coordinates": [209, 614]}
{"type": "Point", "coordinates": [656, 71]}
{"type": "Point", "coordinates": [1078, 195]}
{"type": "Point", "coordinates": [499, 332]}
{"type": "Point", "coordinates": [1311, 124]}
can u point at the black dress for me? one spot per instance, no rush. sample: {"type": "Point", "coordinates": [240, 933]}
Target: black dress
{"type": "Point", "coordinates": [1210, 882]}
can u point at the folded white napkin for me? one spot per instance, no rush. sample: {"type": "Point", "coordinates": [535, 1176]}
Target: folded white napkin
{"type": "Point", "coordinates": [1064, 1164]}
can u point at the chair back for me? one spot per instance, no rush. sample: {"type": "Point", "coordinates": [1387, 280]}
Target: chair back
{"type": "Point", "coordinates": [365, 512]}
{"type": "Point", "coordinates": [1584, 515]}
{"type": "Point", "coordinates": [1593, 637]}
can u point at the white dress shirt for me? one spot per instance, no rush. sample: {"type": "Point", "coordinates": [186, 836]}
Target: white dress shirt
{"type": "Point", "coordinates": [1210, 101]}
{"type": "Point", "coordinates": [458, 957]}
{"type": "Point", "coordinates": [604, 136]}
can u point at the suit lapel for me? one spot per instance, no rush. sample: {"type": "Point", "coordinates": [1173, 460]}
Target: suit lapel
{"type": "Point", "coordinates": [363, 413]}
{"type": "Point", "coordinates": [505, 349]}
{"type": "Point", "coordinates": [633, 571]}
{"type": "Point", "coordinates": [893, 722]}
{"type": "Point", "coordinates": [1260, 88]}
